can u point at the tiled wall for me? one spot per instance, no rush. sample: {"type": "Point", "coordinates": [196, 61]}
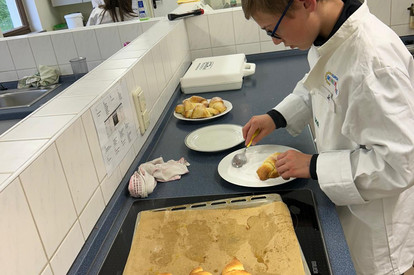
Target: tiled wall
{"type": "Point", "coordinates": [22, 55]}
{"type": "Point", "coordinates": [228, 32]}
{"type": "Point", "coordinates": [53, 182]}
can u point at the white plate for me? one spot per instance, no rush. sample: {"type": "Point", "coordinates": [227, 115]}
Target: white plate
{"type": "Point", "coordinates": [228, 105]}
{"type": "Point", "coordinates": [215, 138]}
{"type": "Point", "coordinates": [246, 175]}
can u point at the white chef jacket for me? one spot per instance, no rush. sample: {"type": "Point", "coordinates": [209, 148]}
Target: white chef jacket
{"type": "Point", "coordinates": [98, 13]}
{"type": "Point", "coordinates": [359, 95]}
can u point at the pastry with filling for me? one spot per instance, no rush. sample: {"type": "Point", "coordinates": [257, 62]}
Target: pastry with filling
{"type": "Point", "coordinates": [268, 168]}
{"type": "Point", "coordinates": [235, 267]}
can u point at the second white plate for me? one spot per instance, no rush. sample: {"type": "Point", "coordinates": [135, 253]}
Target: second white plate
{"type": "Point", "coordinates": [246, 175]}
{"type": "Point", "coordinates": [215, 138]}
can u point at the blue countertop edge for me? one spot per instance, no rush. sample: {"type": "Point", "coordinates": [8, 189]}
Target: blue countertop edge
{"type": "Point", "coordinates": [89, 259]}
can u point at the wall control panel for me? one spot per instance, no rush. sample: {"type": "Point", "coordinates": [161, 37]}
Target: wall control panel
{"type": "Point", "coordinates": [141, 109]}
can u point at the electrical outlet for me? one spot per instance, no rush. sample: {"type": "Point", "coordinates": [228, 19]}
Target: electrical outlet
{"type": "Point", "coordinates": [142, 101]}
{"type": "Point", "coordinates": [146, 117]}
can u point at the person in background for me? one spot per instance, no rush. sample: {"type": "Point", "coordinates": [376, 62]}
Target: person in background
{"type": "Point", "coordinates": [359, 97]}
{"type": "Point", "coordinates": [112, 11]}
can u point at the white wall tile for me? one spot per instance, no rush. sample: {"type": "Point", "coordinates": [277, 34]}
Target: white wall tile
{"type": "Point", "coordinates": [403, 30]}
{"type": "Point", "coordinates": [26, 72]}
{"type": "Point", "coordinates": [65, 69]}
{"type": "Point", "coordinates": [93, 64]}
{"type": "Point", "coordinates": [47, 271]}
{"type": "Point", "coordinates": [49, 198]}
{"type": "Point", "coordinates": [94, 146]}
{"type": "Point", "coordinates": [21, 250]}
{"type": "Point", "coordinates": [198, 32]}
{"type": "Point", "coordinates": [221, 29]}
{"type": "Point", "coordinates": [64, 47]}
{"type": "Point", "coordinates": [77, 164]}
{"type": "Point", "coordinates": [127, 161]}
{"type": "Point", "coordinates": [245, 31]}
{"type": "Point", "coordinates": [3, 179]}
{"type": "Point", "coordinates": [381, 9]}
{"type": "Point", "coordinates": [224, 50]}
{"type": "Point", "coordinates": [64, 106]}
{"type": "Point", "coordinates": [6, 63]}
{"type": "Point", "coordinates": [201, 53]}
{"type": "Point", "coordinates": [147, 25]}
{"type": "Point", "coordinates": [152, 93]}
{"type": "Point", "coordinates": [86, 88]}
{"type": "Point", "coordinates": [37, 128]}
{"type": "Point", "coordinates": [252, 48]}
{"type": "Point", "coordinates": [166, 59]}
{"type": "Point", "coordinates": [108, 40]}
{"type": "Point", "coordinates": [43, 50]}
{"type": "Point", "coordinates": [15, 153]}
{"type": "Point", "coordinates": [92, 212]}
{"type": "Point", "coordinates": [118, 63]}
{"type": "Point", "coordinates": [105, 74]}
{"type": "Point", "coordinates": [129, 32]}
{"type": "Point", "coordinates": [21, 53]}
{"type": "Point", "coordinates": [67, 252]}
{"type": "Point", "coordinates": [128, 54]}
{"type": "Point", "coordinates": [159, 67]}
{"type": "Point", "coordinates": [8, 76]}
{"type": "Point", "coordinates": [87, 45]}
{"type": "Point", "coordinates": [110, 184]}
{"type": "Point", "coordinates": [140, 77]}
{"type": "Point", "coordinates": [399, 13]}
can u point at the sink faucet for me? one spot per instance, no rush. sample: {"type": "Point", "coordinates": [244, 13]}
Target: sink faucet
{"type": "Point", "coordinates": [2, 88]}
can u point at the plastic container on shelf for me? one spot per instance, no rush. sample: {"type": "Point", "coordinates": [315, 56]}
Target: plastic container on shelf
{"type": "Point", "coordinates": [74, 20]}
{"type": "Point", "coordinates": [141, 11]}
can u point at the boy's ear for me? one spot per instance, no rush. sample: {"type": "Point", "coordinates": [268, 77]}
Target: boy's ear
{"type": "Point", "coordinates": [309, 4]}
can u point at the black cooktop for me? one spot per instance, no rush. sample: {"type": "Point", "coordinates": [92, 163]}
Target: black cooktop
{"type": "Point", "coordinates": [301, 205]}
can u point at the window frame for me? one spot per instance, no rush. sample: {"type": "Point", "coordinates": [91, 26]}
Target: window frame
{"type": "Point", "coordinates": [25, 28]}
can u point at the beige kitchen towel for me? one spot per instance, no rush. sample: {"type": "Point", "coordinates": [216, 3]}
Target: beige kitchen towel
{"type": "Point", "coordinates": [143, 182]}
{"type": "Point", "coordinates": [45, 76]}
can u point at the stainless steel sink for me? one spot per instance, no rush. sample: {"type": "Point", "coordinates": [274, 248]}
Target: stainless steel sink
{"type": "Point", "coordinates": [16, 98]}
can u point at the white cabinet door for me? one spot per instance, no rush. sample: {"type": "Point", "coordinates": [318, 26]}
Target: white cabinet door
{"type": "Point", "coordinates": [56, 3]}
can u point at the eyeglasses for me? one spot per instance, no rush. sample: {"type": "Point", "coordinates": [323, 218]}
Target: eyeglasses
{"type": "Point", "coordinates": [273, 33]}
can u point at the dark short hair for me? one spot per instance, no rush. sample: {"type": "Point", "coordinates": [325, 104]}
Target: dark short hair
{"type": "Point", "coordinates": [250, 7]}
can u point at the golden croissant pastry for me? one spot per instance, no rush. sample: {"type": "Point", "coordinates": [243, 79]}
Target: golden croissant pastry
{"type": "Point", "coordinates": [199, 271]}
{"type": "Point", "coordinates": [235, 267]}
{"type": "Point", "coordinates": [199, 107]}
{"type": "Point", "coordinates": [268, 168]}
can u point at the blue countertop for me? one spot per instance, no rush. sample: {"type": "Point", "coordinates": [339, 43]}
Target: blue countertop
{"type": "Point", "coordinates": [276, 75]}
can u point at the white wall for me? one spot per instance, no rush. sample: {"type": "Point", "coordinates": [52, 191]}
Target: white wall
{"type": "Point", "coordinates": [22, 55]}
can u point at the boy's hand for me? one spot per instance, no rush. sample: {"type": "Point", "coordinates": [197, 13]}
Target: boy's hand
{"type": "Point", "coordinates": [293, 164]}
{"type": "Point", "coordinates": [262, 122]}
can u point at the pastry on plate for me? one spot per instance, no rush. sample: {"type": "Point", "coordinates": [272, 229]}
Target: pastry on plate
{"type": "Point", "coordinates": [268, 168]}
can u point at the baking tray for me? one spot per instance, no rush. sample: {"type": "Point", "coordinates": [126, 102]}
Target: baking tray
{"type": "Point", "coordinates": [230, 203]}
{"type": "Point", "coordinates": [301, 204]}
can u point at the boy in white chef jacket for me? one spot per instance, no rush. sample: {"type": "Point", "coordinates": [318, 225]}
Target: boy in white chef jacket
{"type": "Point", "coordinates": [359, 96]}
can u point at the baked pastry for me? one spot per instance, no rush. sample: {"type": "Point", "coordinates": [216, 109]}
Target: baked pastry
{"type": "Point", "coordinates": [179, 109]}
{"type": "Point", "coordinates": [199, 107]}
{"type": "Point", "coordinates": [268, 168]}
{"type": "Point", "coordinates": [199, 271]}
{"type": "Point", "coordinates": [218, 104]}
{"type": "Point", "coordinates": [198, 99]}
{"type": "Point", "coordinates": [200, 111]}
{"type": "Point", "coordinates": [235, 267]}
